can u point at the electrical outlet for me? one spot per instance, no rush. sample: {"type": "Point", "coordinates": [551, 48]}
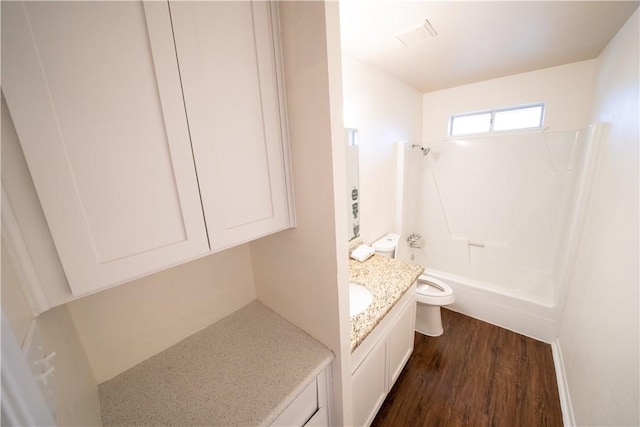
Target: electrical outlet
{"type": "Point", "coordinates": [41, 361]}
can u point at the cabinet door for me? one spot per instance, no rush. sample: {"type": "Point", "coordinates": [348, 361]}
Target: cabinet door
{"type": "Point", "coordinates": [400, 341]}
{"type": "Point", "coordinates": [228, 67]}
{"type": "Point", "coordinates": [369, 386]}
{"type": "Point", "coordinates": [94, 91]}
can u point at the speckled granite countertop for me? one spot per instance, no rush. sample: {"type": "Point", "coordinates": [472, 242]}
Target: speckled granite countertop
{"type": "Point", "coordinates": [243, 370]}
{"type": "Point", "coordinates": [387, 279]}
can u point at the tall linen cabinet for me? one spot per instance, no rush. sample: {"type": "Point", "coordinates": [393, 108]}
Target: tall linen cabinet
{"type": "Point", "coordinates": [154, 132]}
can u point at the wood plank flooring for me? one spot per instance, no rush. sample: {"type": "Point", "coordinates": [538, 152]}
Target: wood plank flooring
{"type": "Point", "coordinates": [475, 374]}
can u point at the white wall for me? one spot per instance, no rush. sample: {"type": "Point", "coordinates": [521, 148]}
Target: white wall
{"type": "Point", "coordinates": [75, 387]}
{"type": "Point", "coordinates": [567, 91]}
{"type": "Point", "coordinates": [599, 335]}
{"type": "Point", "coordinates": [301, 273]}
{"type": "Point", "coordinates": [385, 111]}
{"type": "Point", "coordinates": [125, 325]}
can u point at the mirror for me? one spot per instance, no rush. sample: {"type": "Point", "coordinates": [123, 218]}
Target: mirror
{"type": "Point", "coordinates": [353, 190]}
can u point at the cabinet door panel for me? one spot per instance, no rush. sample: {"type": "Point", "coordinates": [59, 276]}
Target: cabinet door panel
{"type": "Point", "coordinates": [94, 91]}
{"type": "Point", "coordinates": [400, 341]}
{"type": "Point", "coordinates": [369, 386]}
{"type": "Point", "coordinates": [227, 62]}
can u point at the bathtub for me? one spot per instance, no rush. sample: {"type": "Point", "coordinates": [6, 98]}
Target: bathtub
{"type": "Point", "coordinates": [483, 301]}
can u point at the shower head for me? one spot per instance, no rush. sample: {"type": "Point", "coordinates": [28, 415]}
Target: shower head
{"type": "Point", "coordinates": [425, 150]}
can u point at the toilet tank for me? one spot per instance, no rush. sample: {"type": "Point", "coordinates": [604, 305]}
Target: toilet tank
{"type": "Point", "coordinates": [386, 245]}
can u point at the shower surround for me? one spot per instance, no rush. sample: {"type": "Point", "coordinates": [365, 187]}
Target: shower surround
{"type": "Point", "coordinates": [500, 216]}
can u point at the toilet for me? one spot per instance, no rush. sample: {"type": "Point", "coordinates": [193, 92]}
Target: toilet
{"type": "Point", "coordinates": [431, 293]}
{"type": "Point", "coordinates": [386, 245]}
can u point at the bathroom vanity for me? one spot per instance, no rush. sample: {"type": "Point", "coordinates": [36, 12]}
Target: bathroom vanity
{"type": "Point", "coordinates": [250, 368]}
{"type": "Point", "coordinates": [382, 335]}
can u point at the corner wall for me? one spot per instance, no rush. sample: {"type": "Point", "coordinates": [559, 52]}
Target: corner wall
{"type": "Point", "coordinates": [125, 325]}
{"type": "Point", "coordinates": [75, 388]}
{"type": "Point", "coordinates": [385, 111]}
{"type": "Point", "coordinates": [599, 329]}
{"type": "Point", "coordinates": [301, 273]}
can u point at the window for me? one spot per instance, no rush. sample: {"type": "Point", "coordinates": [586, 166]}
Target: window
{"type": "Point", "coordinates": [500, 119]}
{"type": "Point", "coordinates": [470, 123]}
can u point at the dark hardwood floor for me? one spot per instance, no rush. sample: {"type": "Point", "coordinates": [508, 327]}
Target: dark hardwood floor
{"type": "Point", "coordinates": [475, 374]}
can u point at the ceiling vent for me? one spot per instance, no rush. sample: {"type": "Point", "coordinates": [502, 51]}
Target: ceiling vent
{"type": "Point", "coordinates": [414, 35]}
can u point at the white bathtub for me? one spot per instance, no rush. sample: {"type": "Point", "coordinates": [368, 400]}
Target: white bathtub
{"type": "Point", "coordinates": [516, 313]}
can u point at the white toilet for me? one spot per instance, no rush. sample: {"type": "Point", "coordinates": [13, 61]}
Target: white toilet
{"type": "Point", "coordinates": [431, 293]}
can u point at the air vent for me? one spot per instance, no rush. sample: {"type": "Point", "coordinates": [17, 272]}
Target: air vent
{"type": "Point", "coordinates": [419, 33]}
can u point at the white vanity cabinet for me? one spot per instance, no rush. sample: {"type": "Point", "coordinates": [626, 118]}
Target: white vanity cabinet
{"type": "Point", "coordinates": [378, 361]}
{"type": "Point", "coordinates": [369, 385]}
{"type": "Point", "coordinates": [129, 135]}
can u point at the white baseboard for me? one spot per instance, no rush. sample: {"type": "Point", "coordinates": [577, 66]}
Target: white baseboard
{"type": "Point", "coordinates": [563, 387]}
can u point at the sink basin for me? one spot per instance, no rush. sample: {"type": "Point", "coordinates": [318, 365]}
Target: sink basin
{"type": "Point", "coordinates": [359, 299]}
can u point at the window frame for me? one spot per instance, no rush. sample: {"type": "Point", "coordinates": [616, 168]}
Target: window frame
{"type": "Point", "coordinates": [493, 112]}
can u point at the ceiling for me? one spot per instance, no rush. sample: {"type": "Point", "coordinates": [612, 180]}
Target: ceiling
{"type": "Point", "coordinates": [477, 40]}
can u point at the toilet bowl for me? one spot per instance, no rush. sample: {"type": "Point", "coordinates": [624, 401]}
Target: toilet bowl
{"type": "Point", "coordinates": [431, 294]}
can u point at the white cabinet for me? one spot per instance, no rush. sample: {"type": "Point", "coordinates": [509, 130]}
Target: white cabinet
{"type": "Point", "coordinates": [123, 161]}
{"type": "Point", "coordinates": [379, 359]}
{"type": "Point", "coordinates": [369, 386]}
{"type": "Point", "coordinates": [400, 342]}
{"type": "Point", "coordinates": [235, 118]}
{"type": "Point", "coordinates": [94, 92]}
